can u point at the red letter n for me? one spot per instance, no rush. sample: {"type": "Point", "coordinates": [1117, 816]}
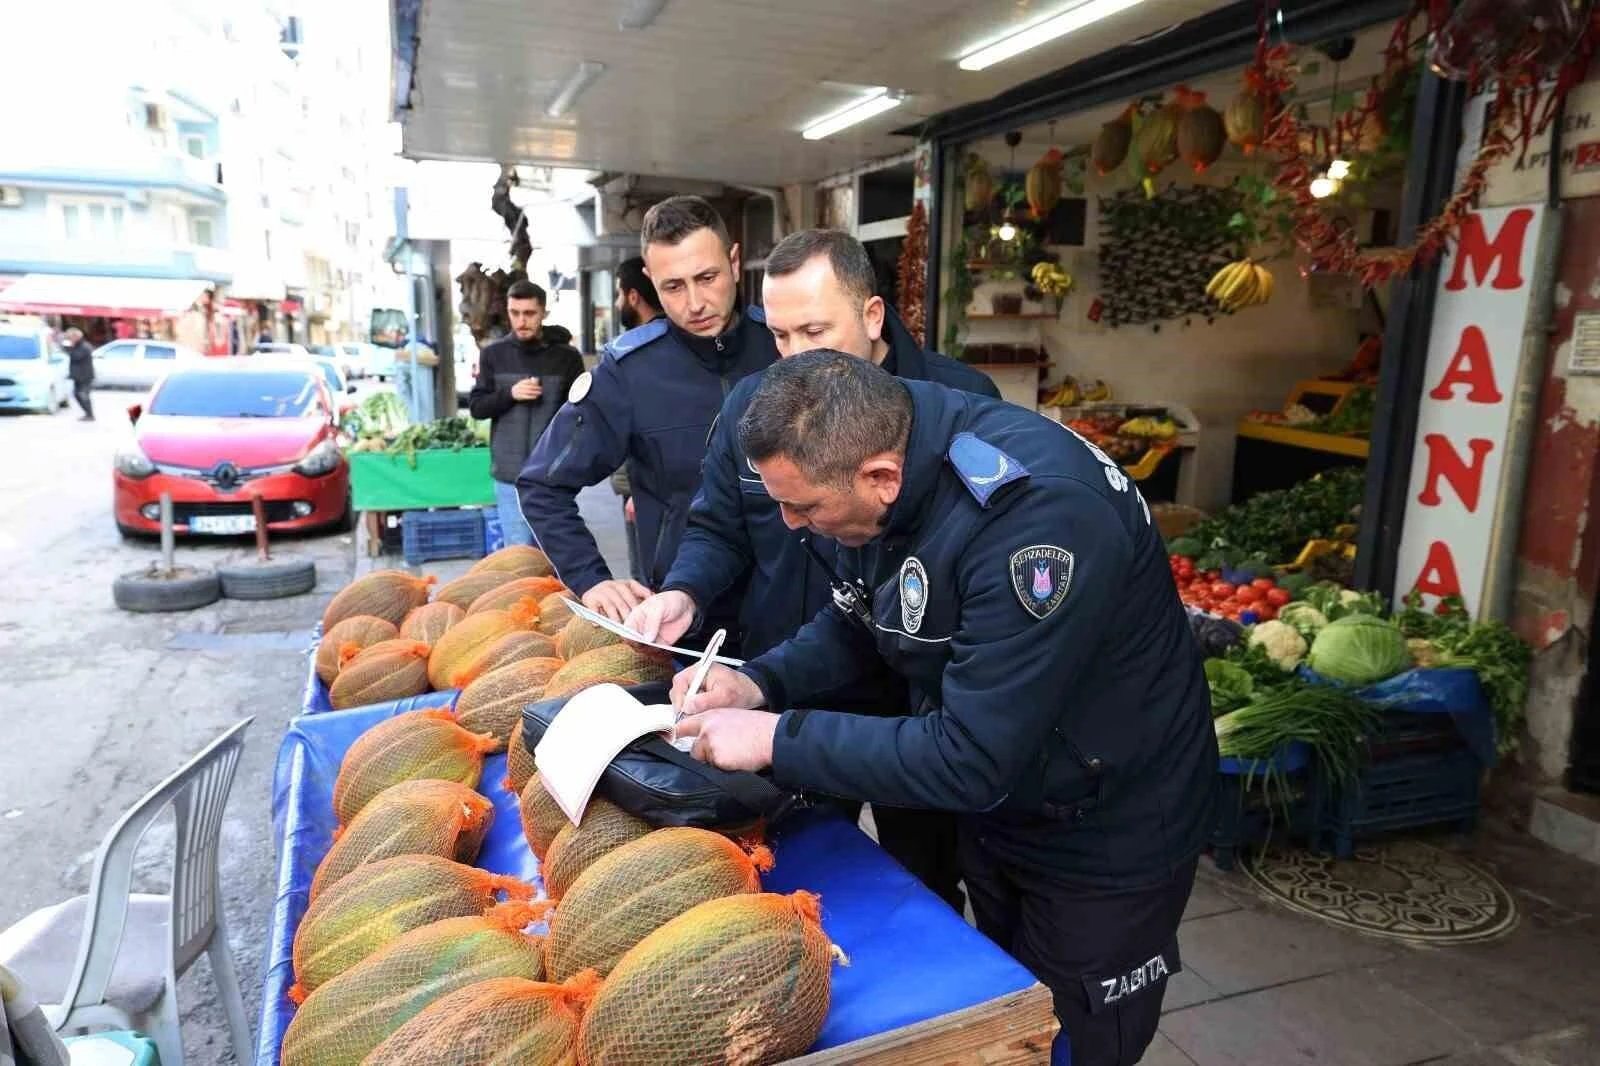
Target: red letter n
{"type": "Point", "coordinates": [1465, 476]}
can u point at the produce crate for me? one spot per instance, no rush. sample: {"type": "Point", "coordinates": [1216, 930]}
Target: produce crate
{"type": "Point", "coordinates": [1420, 771]}
{"type": "Point", "coordinates": [494, 538]}
{"type": "Point", "coordinates": [1248, 815]}
{"type": "Point", "coordinates": [455, 534]}
{"type": "Point", "coordinates": [439, 477]}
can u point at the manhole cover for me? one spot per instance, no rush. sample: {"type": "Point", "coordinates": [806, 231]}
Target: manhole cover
{"type": "Point", "coordinates": [1405, 890]}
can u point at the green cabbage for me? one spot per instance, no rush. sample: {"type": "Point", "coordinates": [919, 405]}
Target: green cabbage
{"type": "Point", "coordinates": [1230, 685]}
{"type": "Point", "coordinates": [1359, 649]}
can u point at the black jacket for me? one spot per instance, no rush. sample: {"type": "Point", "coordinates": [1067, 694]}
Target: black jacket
{"type": "Point", "coordinates": [1022, 590]}
{"type": "Point", "coordinates": [515, 426]}
{"type": "Point", "coordinates": [80, 363]}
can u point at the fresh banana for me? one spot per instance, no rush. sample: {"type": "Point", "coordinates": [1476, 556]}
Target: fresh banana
{"type": "Point", "coordinates": [1051, 279]}
{"type": "Point", "coordinates": [1236, 286]}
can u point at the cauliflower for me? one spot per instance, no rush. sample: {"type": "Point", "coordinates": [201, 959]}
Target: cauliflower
{"type": "Point", "coordinates": [1306, 619]}
{"type": "Point", "coordinates": [1283, 643]}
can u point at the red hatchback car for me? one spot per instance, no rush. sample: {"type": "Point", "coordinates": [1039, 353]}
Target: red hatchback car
{"type": "Point", "coordinates": [216, 435]}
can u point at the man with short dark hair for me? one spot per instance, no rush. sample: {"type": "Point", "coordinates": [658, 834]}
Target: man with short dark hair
{"type": "Point", "coordinates": [1010, 572]}
{"type": "Point", "coordinates": [521, 379]}
{"type": "Point", "coordinates": [818, 293]}
{"type": "Point", "coordinates": [80, 366]}
{"type": "Point", "coordinates": [650, 403]}
{"type": "Point", "coordinates": [637, 303]}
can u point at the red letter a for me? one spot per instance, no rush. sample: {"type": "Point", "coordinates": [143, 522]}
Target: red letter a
{"type": "Point", "coordinates": [1438, 577]}
{"type": "Point", "coordinates": [1471, 366]}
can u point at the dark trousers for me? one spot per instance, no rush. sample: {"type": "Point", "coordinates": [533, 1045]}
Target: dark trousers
{"type": "Point", "coordinates": [1106, 956]}
{"type": "Point", "coordinates": [80, 390]}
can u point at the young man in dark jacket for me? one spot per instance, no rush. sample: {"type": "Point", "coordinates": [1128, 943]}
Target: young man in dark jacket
{"type": "Point", "coordinates": [522, 381]}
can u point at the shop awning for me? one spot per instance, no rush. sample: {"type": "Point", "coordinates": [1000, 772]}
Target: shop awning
{"type": "Point", "coordinates": [110, 297]}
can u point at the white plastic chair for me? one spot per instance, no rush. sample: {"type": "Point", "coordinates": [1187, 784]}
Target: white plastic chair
{"type": "Point", "coordinates": [128, 949]}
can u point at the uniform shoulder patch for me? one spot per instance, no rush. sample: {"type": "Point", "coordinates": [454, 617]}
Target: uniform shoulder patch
{"type": "Point", "coordinates": [637, 338]}
{"type": "Point", "coordinates": [756, 313]}
{"type": "Point", "coordinates": [580, 387]}
{"type": "Point", "coordinates": [1041, 574]}
{"type": "Point", "coordinates": [983, 468]}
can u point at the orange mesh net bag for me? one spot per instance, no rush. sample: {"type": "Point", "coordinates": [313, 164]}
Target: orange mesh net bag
{"type": "Point", "coordinates": [628, 894]}
{"type": "Point", "coordinates": [743, 979]}
{"type": "Point", "coordinates": [502, 1022]}
{"type": "Point", "coordinates": [340, 1023]}
{"type": "Point", "coordinates": [519, 761]}
{"type": "Point", "coordinates": [581, 635]}
{"type": "Point", "coordinates": [511, 648]}
{"type": "Point", "coordinates": [412, 818]}
{"type": "Point", "coordinates": [492, 703]}
{"type": "Point", "coordinates": [429, 622]}
{"type": "Point", "coordinates": [415, 746]}
{"type": "Point", "coordinates": [604, 828]}
{"type": "Point", "coordinates": [469, 586]}
{"type": "Point", "coordinates": [542, 817]}
{"type": "Point", "coordinates": [504, 597]}
{"type": "Point", "coordinates": [622, 664]}
{"type": "Point", "coordinates": [376, 904]}
{"type": "Point", "coordinates": [554, 614]}
{"type": "Point", "coordinates": [386, 594]}
{"type": "Point", "coordinates": [389, 670]}
{"type": "Point", "coordinates": [363, 630]}
{"type": "Point", "coordinates": [454, 657]}
{"type": "Point", "coordinates": [522, 560]}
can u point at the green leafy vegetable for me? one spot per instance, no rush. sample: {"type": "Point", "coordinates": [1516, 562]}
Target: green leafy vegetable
{"type": "Point", "coordinates": [1230, 685]}
{"type": "Point", "coordinates": [1306, 619]}
{"type": "Point", "coordinates": [1359, 649]}
{"type": "Point", "coordinates": [1498, 656]}
{"type": "Point", "coordinates": [1186, 546]}
{"type": "Point", "coordinates": [1276, 525]}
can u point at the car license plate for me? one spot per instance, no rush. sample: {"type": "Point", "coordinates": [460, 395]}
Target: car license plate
{"type": "Point", "coordinates": [225, 523]}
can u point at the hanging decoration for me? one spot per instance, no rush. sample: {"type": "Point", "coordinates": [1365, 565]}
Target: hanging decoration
{"type": "Point", "coordinates": [1111, 145]}
{"type": "Point", "coordinates": [1201, 136]}
{"type": "Point", "coordinates": [1158, 254]}
{"type": "Point", "coordinates": [1514, 116]}
{"type": "Point", "coordinates": [911, 288]}
{"type": "Point", "coordinates": [1043, 184]}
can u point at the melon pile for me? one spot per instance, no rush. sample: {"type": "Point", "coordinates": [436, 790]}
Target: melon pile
{"type": "Point", "coordinates": [662, 949]}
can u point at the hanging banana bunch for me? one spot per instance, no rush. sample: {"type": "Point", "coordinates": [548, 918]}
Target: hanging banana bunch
{"type": "Point", "coordinates": [1051, 280]}
{"type": "Point", "coordinates": [1240, 285]}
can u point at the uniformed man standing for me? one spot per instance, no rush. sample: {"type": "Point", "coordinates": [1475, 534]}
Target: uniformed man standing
{"type": "Point", "coordinates": [818, 291]}
{"type": "Point", "coordinates": [650, 403]}
{"type": "Point", "coordinates": [1011, 573]}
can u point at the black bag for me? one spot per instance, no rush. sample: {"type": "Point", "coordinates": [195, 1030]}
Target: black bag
{"type": "Point", "coordinates": [666, 787]}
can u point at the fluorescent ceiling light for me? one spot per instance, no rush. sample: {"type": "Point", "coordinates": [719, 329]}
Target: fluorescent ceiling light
{"type": "Point", "coordinates": [637, 14]}
{"type": "Point", "coordinates": [587, 71]}
{"type": "Point", "coordinates": [1074, 18]}
{"type": "Point", "coordinates": [880, 101]}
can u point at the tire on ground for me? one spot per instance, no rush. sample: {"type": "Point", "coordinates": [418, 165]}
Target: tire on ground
{"type": "Point", "coordinates": [270, 580]}
{"type": "Point", "coordinates": [150, 591]}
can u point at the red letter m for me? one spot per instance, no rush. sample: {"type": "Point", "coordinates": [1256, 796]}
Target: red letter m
{"type": "Point", "coordinates": [1475, 247]}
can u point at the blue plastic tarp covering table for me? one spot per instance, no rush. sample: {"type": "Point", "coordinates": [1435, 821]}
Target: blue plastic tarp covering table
{"type": "Point", "coordinates": [912, 958]}
{"type": "Point", "coordinates": [1455, 691]}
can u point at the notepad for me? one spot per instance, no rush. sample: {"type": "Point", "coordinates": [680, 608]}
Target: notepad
{"type": "Point", "coordinates": [593, 727]}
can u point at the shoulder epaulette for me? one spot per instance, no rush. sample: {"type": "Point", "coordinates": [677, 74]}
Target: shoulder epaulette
{"type": "Point", "coordinates": [637, 338]}
{"type": "Point", "coordinates": [983, 468]}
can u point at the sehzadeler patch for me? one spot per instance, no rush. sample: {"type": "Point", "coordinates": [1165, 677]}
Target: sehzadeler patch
{"type": "Point", "coordinates": [1041, 574]}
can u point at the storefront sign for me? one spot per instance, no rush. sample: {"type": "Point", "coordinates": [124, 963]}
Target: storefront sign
{"type": "Point", "coordinates": [1523, 177]}
{"type": "Point", "coordinates": [1483, 304]}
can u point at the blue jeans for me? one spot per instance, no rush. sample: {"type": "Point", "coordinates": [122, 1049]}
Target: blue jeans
{"type": "Point", "coordinates": [513, 527]}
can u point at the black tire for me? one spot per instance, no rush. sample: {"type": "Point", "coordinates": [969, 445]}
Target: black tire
{"type": "Point", "coordinates": [150, 591]}
{"type": "Point", "coordinates": [274, 579]}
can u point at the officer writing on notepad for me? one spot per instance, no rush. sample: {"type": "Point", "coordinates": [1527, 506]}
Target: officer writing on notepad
{"type": "Point", "coordinates": [1010, 572]}
{"type": "Point", "coordinates": [649, 403]}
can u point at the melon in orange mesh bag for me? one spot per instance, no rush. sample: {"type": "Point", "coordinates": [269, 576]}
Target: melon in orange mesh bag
{"type": "Point", "coordinates": [412, 818]}
{"type": "Point", "coordinates": [519, 761]}
{"type": "Point", "coordinates": [458, 651]}
{"type": "Point", "coordinates": [415, 746]}
{"type": "Point", "coordinates": [581, 635]}
{"type": "Point", "coordinates": [389, 670]}
{"type": "Point", "coordinates": [340, 1023]}
{"type": "Point", "coordinates": [542, 817]}
{"type": "Point", "coordinates": [468, 587]}
{"type": "Point", "coordinates": [429, 622]}
{"type": "Point", "coordinates": [362, 630]}
{"type": "Point", "coordinates": [604, 827]}
{"type": "Point", "coordinates": [522, 560]}
{"type": "Point", "coordinates": [742, 979]}
{"type": "Point", "coordinates": [502, 1022]}
{"type": "Point", "coordinates": [492, 702]}
{"type": "Point", "coordinates": [511, 648]}
{"type": "Point", "coordinates": [628, 894]}
{"type": "Point", "coordinates": [386, 594]}
{"type": "Point", "coordinates": [376, 904]}
{"type": "Point", "coordinates": [554, 614]}
{"type": "Point", "coordinates": [506, 596]}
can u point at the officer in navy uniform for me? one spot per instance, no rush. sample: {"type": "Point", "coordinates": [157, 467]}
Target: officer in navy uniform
{"type": "Point", "coordinates": [818, 291]}
{"type": "Point", "coordinates": [1010, 571]}
{"type": "Point", "coordinates": [649, 402]}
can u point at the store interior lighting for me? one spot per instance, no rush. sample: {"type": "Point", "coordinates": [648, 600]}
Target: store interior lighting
{"type": "Point", "coordinates": [1339, 169]}
{"type": "Point", "coordinates": [1072, 19]}
{"type": "Point", "coordinates": [876, 103]}
{"type": "Point", "coordinates": [1323, 186]}
{"type": "Point", "coordinates": [582, 76]}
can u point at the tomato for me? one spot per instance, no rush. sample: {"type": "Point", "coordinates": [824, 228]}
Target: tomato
{"type": "Point", "coordinates": [1222, 590]}
{"type": "Point", "coordinates": [1266, 611]}
{"type": "Point", "coordinates": [1186, 569]}
{"type": "Point", "coordinates": [1247, 594]}
{"type": "Point", "coordinates": [1278, 597]}
{"type": "Point", "coordinates": [1264, 583]}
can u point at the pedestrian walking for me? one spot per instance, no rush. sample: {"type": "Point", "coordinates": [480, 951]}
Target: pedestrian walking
{"type": "Point", "coordinates": [80, 365]}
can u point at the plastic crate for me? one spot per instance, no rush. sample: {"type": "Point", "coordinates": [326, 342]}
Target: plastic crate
{"type": "Point", "coordinates": [1248, 815]}
{"type": "Point", "coordinates": [494, 538]}
{"type": "Point", "coordinates": [454, 534]}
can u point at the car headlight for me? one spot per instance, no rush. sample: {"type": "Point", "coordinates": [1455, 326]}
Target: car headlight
{"type": "Point", "coordinates": [323, 459]}
{"type": "Point", "coordinates": [132, 462]}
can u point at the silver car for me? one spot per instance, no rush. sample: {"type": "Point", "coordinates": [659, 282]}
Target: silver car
{"type": "Point", "coordinates": [139, 364]}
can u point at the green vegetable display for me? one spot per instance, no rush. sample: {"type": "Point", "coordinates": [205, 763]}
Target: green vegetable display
{"type": "Point", "coordinates": [1359, 649]}
{"type": "Point", "coordinates": [1330, 720]}
{"type": "Point", "coordinates": [1306, 619]}
{"type": "Point", "coordinates": [1499, 657]}
{"type": "Point", "coordinates": [1231, 685]}
{"type": "Point", "coordinates": [1273, 527]}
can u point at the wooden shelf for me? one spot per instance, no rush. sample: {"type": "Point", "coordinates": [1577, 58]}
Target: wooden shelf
{"type": "Point", "coordinates": [1036, 317]}
{"type": "Point", "coordinates": [1333, 443]}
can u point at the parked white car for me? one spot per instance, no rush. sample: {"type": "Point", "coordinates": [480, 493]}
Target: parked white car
{"type": "Point", "coordinates": [139, 364]}
{"type": "Point", "coordinates": [33, 370]}
{"type": "Point", "coordinates": [298, 351]}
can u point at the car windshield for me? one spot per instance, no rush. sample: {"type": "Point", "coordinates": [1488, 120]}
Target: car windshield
{"type": "Point", "coordinates": [331, 374]}
{"type": "Point", "coordinates": [236, 394]}
{"type": "Point", "coordinates": [20, 346]}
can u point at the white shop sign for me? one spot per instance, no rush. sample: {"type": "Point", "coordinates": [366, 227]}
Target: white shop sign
{"type": "Point", "coordinates": [1523, 178]}
{"type": "Point", "coordinates": [1474, 350]}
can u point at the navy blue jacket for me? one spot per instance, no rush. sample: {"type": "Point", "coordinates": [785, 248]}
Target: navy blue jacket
{"type": "Point", "coordinates": [736, 535]}
{"type": "Point", "coordinates": [649, 402]}
{"type": "Point", "coordinates": [1022, 590]}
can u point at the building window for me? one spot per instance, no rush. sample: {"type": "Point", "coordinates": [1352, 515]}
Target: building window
{"type": "Point", "coordinates": [195, 145]}
{"type": "Point", "coordinates": [200, 230]}
{"type": "Point", "coordinates": [88, 218]}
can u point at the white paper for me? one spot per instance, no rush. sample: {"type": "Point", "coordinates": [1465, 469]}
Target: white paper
{"type": "Point", "coordinates": [628, 634]}
{"type": "Point", "coordinates": [591, 729]}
